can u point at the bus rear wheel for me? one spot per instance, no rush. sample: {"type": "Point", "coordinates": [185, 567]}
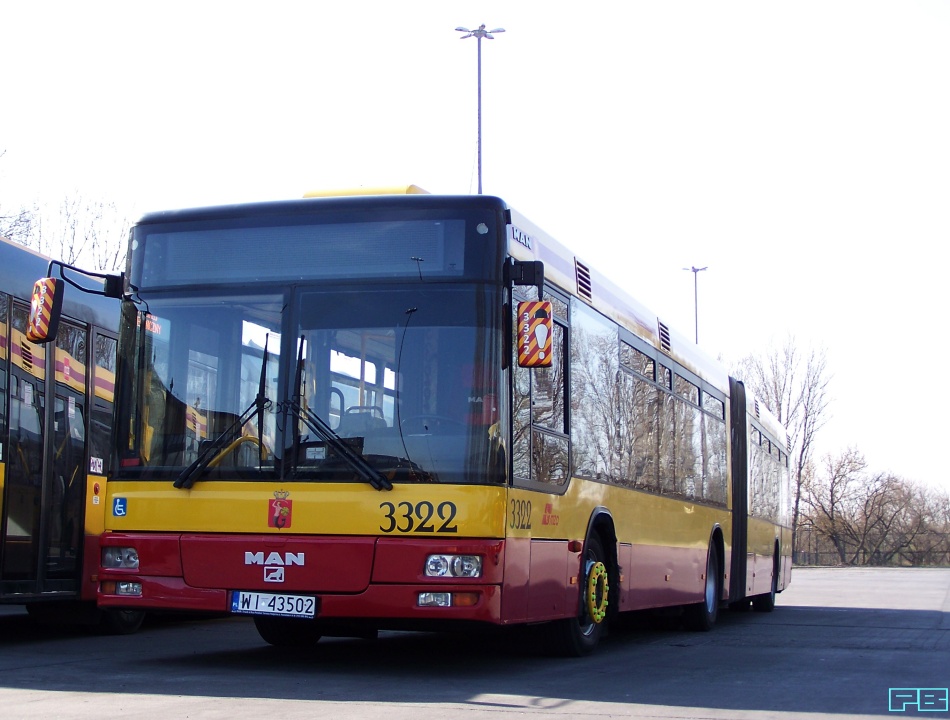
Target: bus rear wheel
{"type": "Point", "coordinates": [578, 636]}
{"type": "Point", "coordinates": [703, 615]}
{"type": "Point", "coordinates": [766, 602]}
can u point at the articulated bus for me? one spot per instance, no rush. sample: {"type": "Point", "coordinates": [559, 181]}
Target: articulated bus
{"type": "Point", "coordinates": [55, 439]}
{"type": "Point", "coordinates": [343, 414]}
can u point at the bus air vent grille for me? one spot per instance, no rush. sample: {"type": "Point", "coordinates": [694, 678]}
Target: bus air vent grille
{"type": "Point", "coordinates": [584, 288]}
{"type": "Point", "coordinates": [664, 337]}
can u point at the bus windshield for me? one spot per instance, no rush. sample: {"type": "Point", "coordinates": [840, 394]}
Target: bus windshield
{"type": "Point", "coordinates": [399, 382]}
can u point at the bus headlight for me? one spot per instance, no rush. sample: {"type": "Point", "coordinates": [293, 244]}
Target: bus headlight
{"type": "Point", "coordinates": [128, 588]}
{"type": "Point", "coordinates": [121, 587]}
{"type": "Point", "coordinates": [445, 599]}
{"type": "Point", "coordinates": [120, 557]}
{"type": "Point", "coordinates": [435, 599]}
{"type": "Point", "coordinates": [463, 566]}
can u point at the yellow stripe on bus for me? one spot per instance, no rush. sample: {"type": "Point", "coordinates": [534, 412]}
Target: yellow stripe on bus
{"type": "Point", "coordinates": [639, 517]}
{"type": "Point", "coordinates": [309, 508]}
{"type": "Point", "coordinates": [417, 510]}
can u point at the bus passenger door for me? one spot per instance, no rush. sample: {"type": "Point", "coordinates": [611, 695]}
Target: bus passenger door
{"type": "Point", "coordinates": [23, 484]}
{"type": "Point", "coordinates": [45, 479]}
{"type": "Point", "coordinates": [66, 483]}
{"type": "Point", "coordinates": [66, 479]}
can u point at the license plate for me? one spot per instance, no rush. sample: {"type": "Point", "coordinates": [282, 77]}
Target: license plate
{"type": "Point", "coordinates": [279, 604]}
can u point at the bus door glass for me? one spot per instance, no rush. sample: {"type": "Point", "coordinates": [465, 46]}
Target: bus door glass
{"type": "Point", "coordinates": [23, 486]}
{"type": "Point", "coordinates": [100, 414]}
{"type": "Point", "coordinates": [67, 479]}
{"type": "Point", "coordinates": [4, 460]}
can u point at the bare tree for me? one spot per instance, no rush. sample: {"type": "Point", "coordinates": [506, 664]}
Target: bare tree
{"type": "Point", "coordinates": [15, 223]}
{"type": "Point", "coordinates": [921, 535]}
{"type": "Point", "coordinates": [831, 495]}
{"type": "Point", "coordinates": [884, 521]}
{"type": "Point", "coordinates": [88, 233]}
{"type": "Point", "coordinates": [794, 387]}
{"type": "Point", "coordinates": [875, 519]}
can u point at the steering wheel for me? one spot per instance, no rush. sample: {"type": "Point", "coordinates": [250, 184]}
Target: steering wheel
{"type": "Point", "coordinates": [428, 423]}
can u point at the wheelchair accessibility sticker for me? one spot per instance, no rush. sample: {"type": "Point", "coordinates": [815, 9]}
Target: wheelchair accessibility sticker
{"type": "Point", "coordinates": [120, 506]}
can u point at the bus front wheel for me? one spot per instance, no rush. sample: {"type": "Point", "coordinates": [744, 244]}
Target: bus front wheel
{"type": "Point", "coordinates": [578, 636]}
{"type": "Point", "coordinates": [287, 632]}
{"type": "Point", "coordinates": [121, 622]}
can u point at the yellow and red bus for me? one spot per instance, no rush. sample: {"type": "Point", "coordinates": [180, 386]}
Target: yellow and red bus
{"type": "Point", "coordinates": [343, 414]}
{"type": "Point", "coordinates": [55, 437]}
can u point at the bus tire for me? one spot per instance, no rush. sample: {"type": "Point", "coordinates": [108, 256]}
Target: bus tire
{"type": "Point", "coordinates": [287, 632]}
{"type": "Point", "coordinates": [579, 635]}
{"type": "Point", "coordinates": [703, 615]}
{"type": "Point", "coordinates": [120, 622]}
{"type": "Point", "coordinates": [766, 602]}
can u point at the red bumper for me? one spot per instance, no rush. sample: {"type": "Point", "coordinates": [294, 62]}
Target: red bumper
{"type": "Point", "coordinates": [352, 577]}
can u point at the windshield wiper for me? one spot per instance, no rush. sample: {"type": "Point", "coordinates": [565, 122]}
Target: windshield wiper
{"type": "Point", "coordinates": [189, 476]}
{"type": "Point", "coordinates": [392, 466]}
{"type": "Point", "coordinates": [352, 458]}
{"type": "Point", "coordinates": [319, 427]}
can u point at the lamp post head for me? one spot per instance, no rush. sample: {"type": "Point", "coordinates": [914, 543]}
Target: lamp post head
{"type": "Point", "coordinates": [480, 32]}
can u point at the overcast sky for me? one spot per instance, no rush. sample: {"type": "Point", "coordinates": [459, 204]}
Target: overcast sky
{"type": "Point", "coordinates": [800, 150]}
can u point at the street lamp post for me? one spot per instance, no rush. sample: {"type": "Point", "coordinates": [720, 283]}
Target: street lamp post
{"type": "Point", "coordinates": [478, 34]}
{"type": "Point", "coordinates": [696, 271]}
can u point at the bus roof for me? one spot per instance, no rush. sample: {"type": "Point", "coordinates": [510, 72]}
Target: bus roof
{"type": "Point", "coordinates": [585, 282]}
{"type": "Point", "coordinates": [561, 264]}
{"type": "Point", "coordinates": [337, 201]}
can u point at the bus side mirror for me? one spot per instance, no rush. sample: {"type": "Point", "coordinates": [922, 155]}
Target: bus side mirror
{"type": "Point", "coordinates": [526, 272]}
{"type": "Point", "coordinates": [45, 309]}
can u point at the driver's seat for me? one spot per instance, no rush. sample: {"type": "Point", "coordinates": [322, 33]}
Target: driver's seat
{"type": "Point", "coordinates": [359, 420]}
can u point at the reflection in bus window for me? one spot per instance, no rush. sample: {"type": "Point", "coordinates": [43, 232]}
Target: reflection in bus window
{"type": "Point", "coordinates": [100, 427]}
{"type": "Point", "coordinates": [547, 405]}
{"type": "Point", "coordinates": [599, 421]}
{"type": "Point", "coordinates": [407, 377]}
{"type": "Point", "coordinates": [768, 473]}
{"type": "Point", "coordinates": [541, 451]}
{"type": "Point", "coordinates": [203, 370]}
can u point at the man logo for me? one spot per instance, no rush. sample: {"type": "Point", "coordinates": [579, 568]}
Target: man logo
{"type": "Point", "coordinates": [274, 563]}
{"type": "Point", "coordinates": [274, 558]}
